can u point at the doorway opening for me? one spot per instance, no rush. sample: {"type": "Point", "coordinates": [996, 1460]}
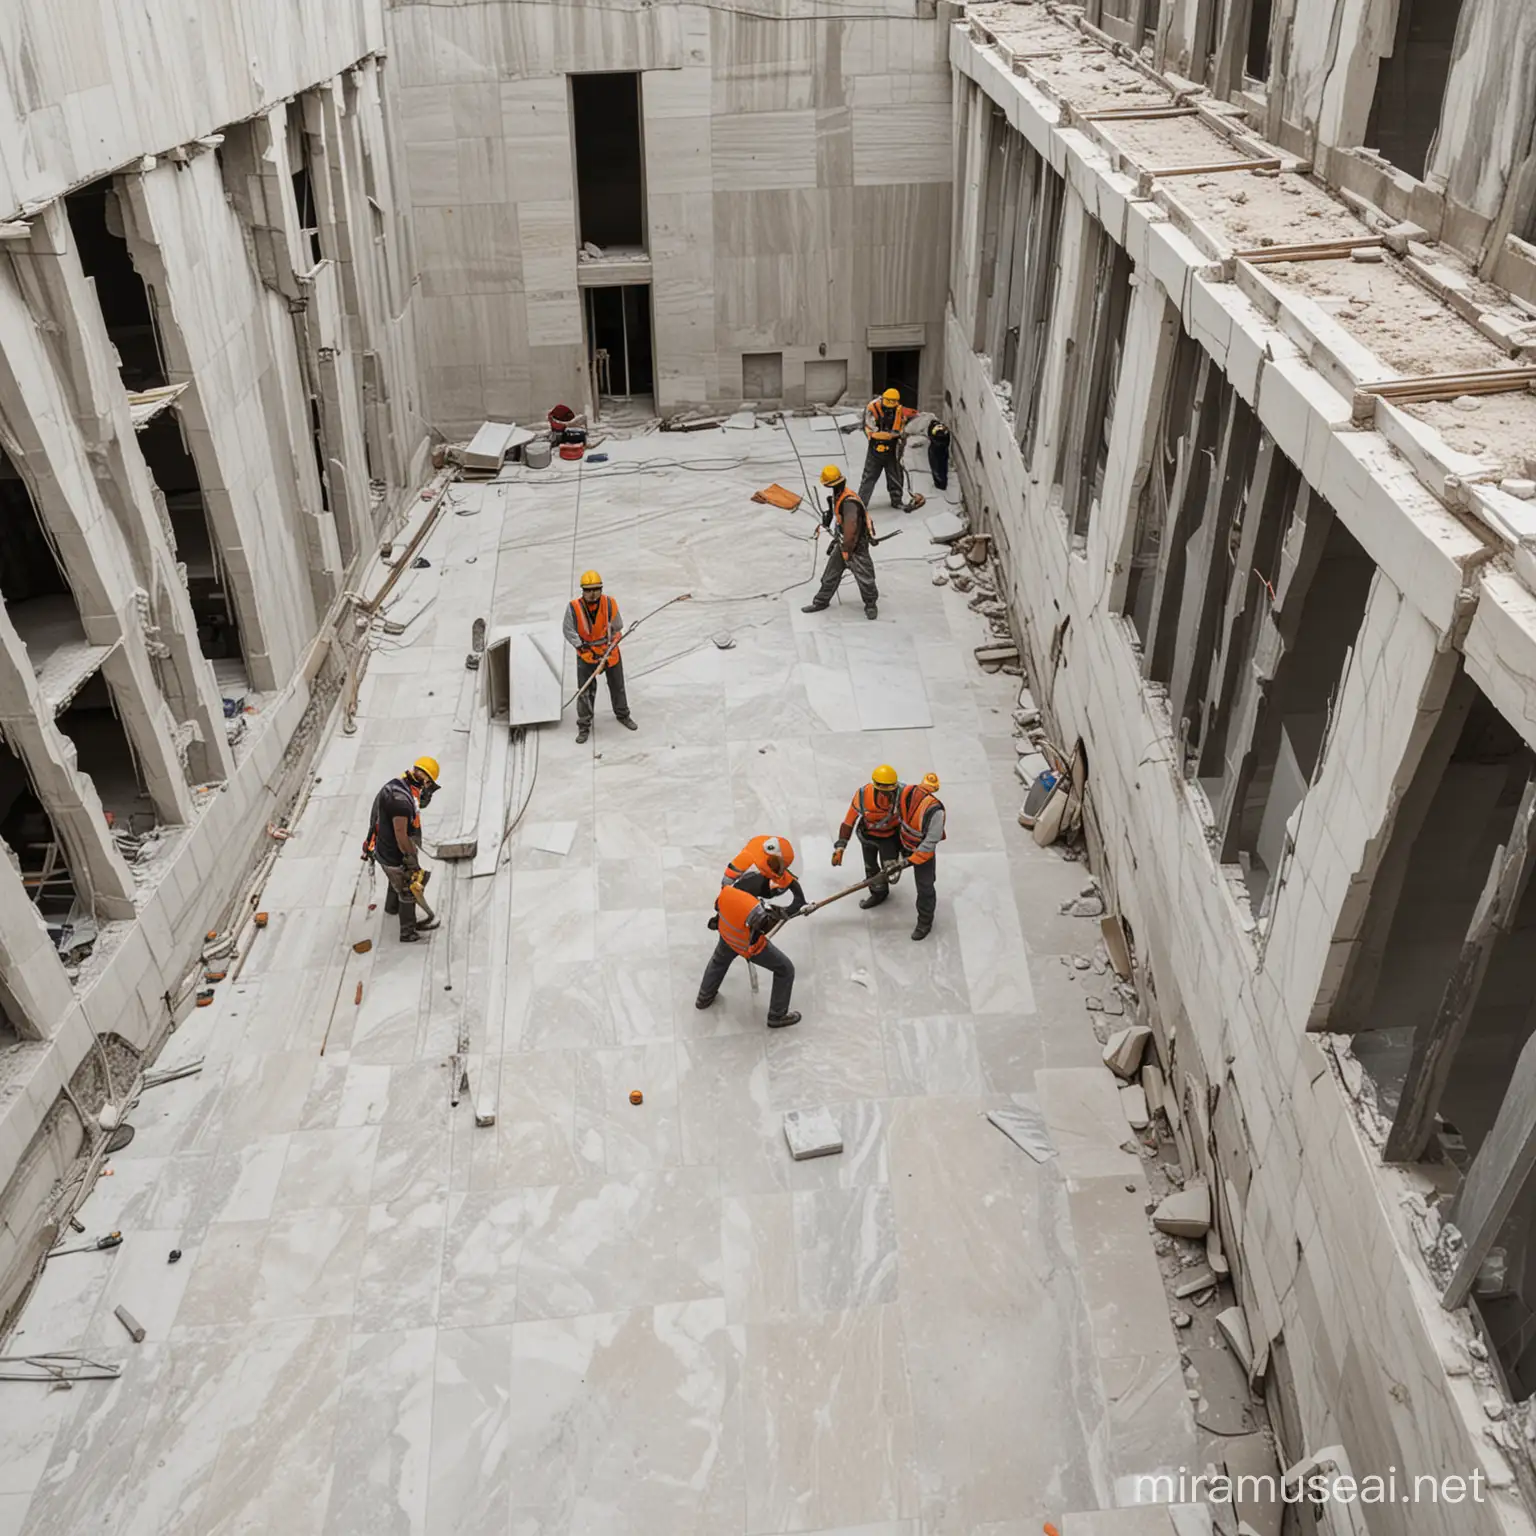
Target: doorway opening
{"type": "Point", "coordinates": [29, 832]}
{"type": "Point", "coordinates": [303, 180]}
{"type": "Point", "coordinates": [126, 303]}
{"type": "Point", "coordinates": [619, 341]}
{"type": "Point", "coordinates": [175, 474]}
{"type": "Point", "coordinates": [104, 754]}
{"type": "Point", "coordinates": [1260, 20]}
{"type": "Point", "coordinates": [1410, 84]}
{"type": "Point", "coordinates": [897, 369]}
{"type": "Point", "coordinates": [610, 179]}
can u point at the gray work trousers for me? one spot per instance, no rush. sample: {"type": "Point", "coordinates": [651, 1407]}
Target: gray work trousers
{"type": "Point", "coordinates": [887, 850]}
{"type": "Point", "coordinates": [770, 958]}
{"type": "Point", "coordinates": [399, 898]}
{"type": "Point", "coordinates": [895, 478]}
{"type": "Point", "coordinates": [616, 694]}
{"type": "Point", "coordinates": [860, 562]}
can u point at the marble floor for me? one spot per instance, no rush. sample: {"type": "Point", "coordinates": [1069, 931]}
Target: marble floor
{"type": "Point", "coordinates": [594, 1317]}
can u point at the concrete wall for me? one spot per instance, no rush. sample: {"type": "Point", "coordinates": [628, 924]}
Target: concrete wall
{"type": "Point", "coordinates": [260, 334]}
{"type": "Point", "coordinates": [796, 174]}
{"type": "Point", "coordinates": [1327, 1256]}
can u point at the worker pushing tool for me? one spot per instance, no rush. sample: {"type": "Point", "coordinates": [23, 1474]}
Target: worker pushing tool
{"type": "Point", "coordinates": [765, 869]}
{"type": "Point", "coordinates": [921, 831]}
{"type": "Point", "coordinates": [853, 539]}
{"type": "Point", "coordinates": [885, 421]}
{"type": "Point", "coordinates": [875, 816]}
{"type": "Point", "coordinates": [593, 630]}
{"type": "Point", "coordinates": [745, 925]}
{"type": "Point", "coordinates": [394, 842]}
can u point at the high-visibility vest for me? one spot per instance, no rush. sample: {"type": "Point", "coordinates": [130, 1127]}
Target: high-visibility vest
{"type": "Point", "coordinates": [880, 417]}
{"type": "Point", "coordinates": [753, 857]}
{"type": "Point", "coordinates": [735, 908]}
{"type": "Point", "coordinates": [877, 822]}
{"type": "Point", "coordinates": [593, 627]}
{"type": "Point", "coordinates": [913, 805]}
{"type": "Point", "coordinates": [844, 538]}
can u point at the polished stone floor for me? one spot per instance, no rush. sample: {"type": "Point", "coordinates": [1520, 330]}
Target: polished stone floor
{"type": "Point", "coordinates": [595, 1317]}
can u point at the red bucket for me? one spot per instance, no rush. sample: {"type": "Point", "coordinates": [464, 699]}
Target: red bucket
{"type": "Point", "coordinates": [572, 450]}
{"type": "Point", "coordinates": [560, 418]}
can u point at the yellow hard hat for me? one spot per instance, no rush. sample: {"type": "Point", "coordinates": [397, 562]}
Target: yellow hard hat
{"type": "Point", "coordinates": [831, 475]}
{"type": "Point", "coordinates": [931, 782]}
{"type": "Point", "coordinates": [428, 766]}
{"type": "Point", "coordinates": [591, 579]}
{"type": "Point", "coordinates": [892, 397]}
{"type": "Point", "coordinates": [884, 776]}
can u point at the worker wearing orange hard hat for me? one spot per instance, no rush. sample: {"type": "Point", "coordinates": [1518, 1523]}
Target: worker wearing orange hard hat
{"type": "Point", "coordinates": [394, 842]}
{"type": "Point", "coordinates": [853, 542]}
{"type": "Point", "coordinates": [874, 815]}
{"type": "Point", "coordinates": [921, 814]}
{"type": "Point", "coordinates": [593, 629]}
{"type": "Point", "coordinates": [885, 421]}
{"type": "Point", "coordinates": [765, 869]}
{"type": "Point", "coordinates": [745, 925]}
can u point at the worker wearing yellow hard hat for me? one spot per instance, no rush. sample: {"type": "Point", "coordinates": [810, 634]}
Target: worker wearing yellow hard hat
{"type": "Point", "coordinates": [874, 815]}
{"type": "Point", "coordinates": [394, 842]}
{"type": "Point", "coordinates": [853, 542]}
{"type": "Point", "coordinates": [920, 833]}
{"type": "Point", "coordinates": [885, 421]}
{"type": "Point", "coordinates": [593, 629]}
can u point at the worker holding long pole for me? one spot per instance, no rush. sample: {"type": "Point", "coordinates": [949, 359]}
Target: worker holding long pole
{"type": "Point", "coordinates": [593, 629]}
{"type": "Point", "coordinates": [885, 423]}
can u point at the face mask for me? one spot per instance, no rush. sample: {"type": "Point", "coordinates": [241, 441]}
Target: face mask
{"type": "Point", "coordinates": [427, 791]}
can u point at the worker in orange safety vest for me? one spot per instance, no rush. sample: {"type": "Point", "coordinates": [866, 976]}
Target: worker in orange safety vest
{"type": "Point", "coordinates": [922, 830]}
{"type": "Point", "coordinates": [765, 868]}
{"type": "Point", "coordinates": [874, 814]}
{"type": "Point", "coordinates": [744, 924]}
{"type": "Point", "coordinates": [593, 629]}
{"type": "Point", "coordinates": [853, 540]}
{"type": "Point", "coordinates": [885, 421]}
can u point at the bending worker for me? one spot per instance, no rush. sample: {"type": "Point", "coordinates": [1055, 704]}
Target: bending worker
{"type": "Point", "coordinates": [764, 868]}
{"type": "Point", "coordinates": [593, 629]}
{"type": "Point", "coordinates": [875, 814]}
{"type": "Point", "coordinates": [744, 924]}
{"type": "Point", "coordinates": [885, 419]}
{"type": "Point", "coordinates": [922, 830]}
{"type": "Point", "coordinates": [852, 546]}
{"type": "Point", "coordinates": [394, 837]}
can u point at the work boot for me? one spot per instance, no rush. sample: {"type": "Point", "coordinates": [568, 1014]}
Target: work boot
{"type": "Point", "coordinates": [923, 929]}
{"type": "Point", "coordinates": [870, 611]}
{"type": "Point", "coordinates": [701, 1002]}
{"type": "Point", "coordinates": [872, 900]}
{"type": "Point", "coordinates": [813, 608]}
{"type": "Point", "coordinates": [783, 1021]}
{"type": "Point", "coordinates": [628, 722]}
{"type": "Point", "coordinates": [582, 732]}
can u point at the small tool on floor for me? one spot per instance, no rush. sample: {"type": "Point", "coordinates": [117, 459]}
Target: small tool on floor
{"type": "Point", "coordinates": [131, 1323]}
{"type": "Point", "coordinates": [111, 1240]}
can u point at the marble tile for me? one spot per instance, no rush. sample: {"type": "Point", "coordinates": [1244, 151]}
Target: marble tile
{"type": "Point", "coordinates": [309, 1263]}
{"type": "Point", "coordinates": [225, 1268]}
{"type": "Point", "coordinates": [593, 1446]}
{"type": "Point", "coordinates": [469, 1477]}
{"type": "Point", "coordinates": [991, 945]}
{"type": "Point", "coordinates": [845, 1244]}
{"type": "Point", "coordinates": [1076, 1102]}
{"type": "Point", "coordinates": [828, 1392]}
{"type": "Point", "coordinates": [384, 1435]}
{"type": "Point", "coordinates": [401, 1270]}
{"type": "Point", "coordinates": [140, 1279]}
{"type": "Point", "coordinates": [934, 1056]}
{"type": "Point", "coordinates": [613, 1135]}
{"type": "Point", "coordinates": [757, 1243]}
{"type": "Point", "coordinates": [825, 1061]}
{"type": "Point", "coordinates": [485, 1236]}
{"type": "Point", "coordinates": [327, 1168]}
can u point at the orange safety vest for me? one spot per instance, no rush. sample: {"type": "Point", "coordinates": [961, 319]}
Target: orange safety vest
{"type": "Point", "coordinates": [875, 417]}
{"type": "Point", "coordinates": [734, 908]}
{"type": "Point", "coordinates": [753, 857]}
{"type": "Point", "coordinates": [593, 628]}
{"type": "Point", "coordinates": [849, 540]}
{"type": "Point", "coordinates": [913, 804]}
{"type": "Point", "coordinates": [877, 822]}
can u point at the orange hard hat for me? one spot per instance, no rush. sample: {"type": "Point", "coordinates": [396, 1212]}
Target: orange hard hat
{"type": "Point", "coordinates": [779, 852]}
{"type": "Point", "coordinates": [931, 783]}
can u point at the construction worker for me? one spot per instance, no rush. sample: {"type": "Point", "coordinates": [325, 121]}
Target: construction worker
{"type": "Point", "coordinates": [394, 838]}
{"type": "Point", "coordinates": [875, 814]}
{"type": "Point", "coordinates": [593, 629]}
{"type": "Point", "coordinates": [922, 830]}
{"type": "Point", "coordinates": [852, 542]}
{"type": "Point", "coordinates": [764, 868]}
{"type": "Point", "coordinates": [744, 924]}
{"type": "Point", "coordinates": [885, 419]}
{"type": "Point", "coordinates": [938, 453]}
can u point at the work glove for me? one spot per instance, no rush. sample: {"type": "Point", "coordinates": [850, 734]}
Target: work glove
{"type": "Point", "coordinates": [714, 923]}
{"type": "Point", "coordinates": [411, 863]}
{"type": "Point", "coordinates": [891, 872]}
{"type": "Point", "coordinates": [837, 855]}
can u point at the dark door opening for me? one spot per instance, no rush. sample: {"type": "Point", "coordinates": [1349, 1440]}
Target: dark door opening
{"type": "Point", "coordinates": [1410, 84]}
{"type": "Point", "coordinates": [303, 180]}
{"type": "Point", "coordinates": [619, 339]}
{"type": "Point", "coordinates": [1260, 17]}
{"type": "Point", "coordinates": [104, 754]}
{"type": "Point", "coordinates": [175, 473]}
{"type": "Point", "coordinates": [610, 181]}
{"type": "Point", "coordinates": [126, 304]}
{"type": "Point", "coordinates": [897, 370]}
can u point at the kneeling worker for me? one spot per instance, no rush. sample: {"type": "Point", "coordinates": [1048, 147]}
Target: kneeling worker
{"type": "Point", "coordinates": [593, 629]}
{"type": "Point", "coordinates": [875, 814]}
{"type": "Point", "coordinates": [394, 835]}
{"type": "Point", "coordinates": [744, 924]}
{"type": "Point", "coordinates": [765, 868]}
{"type": "Point", "coordinates": [922, 830]}
{"type": "Point", "coordinates": [852, 540]}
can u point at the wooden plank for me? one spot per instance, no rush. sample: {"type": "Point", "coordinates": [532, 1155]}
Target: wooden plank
{"type": "Point", "coordinates": [1317, 250]}
{"type": "Point", "coordinates": [1435, 1046]}
{"type": "Point", "coordinates": [1498, 1177]}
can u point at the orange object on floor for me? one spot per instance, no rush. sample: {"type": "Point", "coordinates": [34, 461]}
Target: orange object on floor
{"type": "Point", "coordinates": [636, 1097]}
{"type": "Point", "coordinates": [777, 496]}
{"type": "Point", "coordinates": [357, 1001]}
{"type": "Point", "coordinates": [261, 919]}
{"type": "Point", "coordinates": [362, 946]}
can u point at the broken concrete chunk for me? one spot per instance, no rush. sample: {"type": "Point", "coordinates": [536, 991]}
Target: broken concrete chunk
{"type": "Point", "coordinates": [811, 1133]}
{"type": "Point", "coordinates": [1085, 906]}
{"type": "Point", "coordinates": [1234, 1329]}
{"type": "Point", "coordinates": [1185, 1213]}
{"type": "Point", "coordinates": [1153, 1085]}
{"type": "Point", "coordinates": [1125, 1049]}
{"type": "Point", "coordinates": [1025, 1127]}
{"type": "Point", "coordinates": [1134, 1103]}
{"type": "Point", "coordinates": [1525, 490]}
{"type": "Point", "coordinates": [1201, 1280]}
{"type": "Point", "coordinates": [1214, 1256]}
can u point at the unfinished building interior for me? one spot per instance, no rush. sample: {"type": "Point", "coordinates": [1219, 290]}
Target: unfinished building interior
{"type": "Point", "coordinates": [1229, 309]}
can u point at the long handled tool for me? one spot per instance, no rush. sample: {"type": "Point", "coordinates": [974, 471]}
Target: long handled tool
{"type": "Point", "coordinates": [682, 597]}
{"type": "Point", "coordinates": [886, 874]}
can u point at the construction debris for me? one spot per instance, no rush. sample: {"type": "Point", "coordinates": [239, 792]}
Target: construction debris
{"type": "Point", "coordinates": [1025, 1127]}
{"type": "Point", "coordinates": [1186, 1212]}
{"type": "Point", "coordinates": [134, 1327]}
{"type": "Point", "coordinates": [1126, 1047]}
{"type": "Point", "coordinates": [811, 1133]}
{"type": "Point", "coordinates": [1234, 1329]}
{"type": "Point", "coordinates": [1134, 1102]}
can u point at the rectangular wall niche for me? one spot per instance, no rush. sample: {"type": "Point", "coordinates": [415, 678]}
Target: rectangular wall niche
{"type": "Point", "coordinates": [610, 176]}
